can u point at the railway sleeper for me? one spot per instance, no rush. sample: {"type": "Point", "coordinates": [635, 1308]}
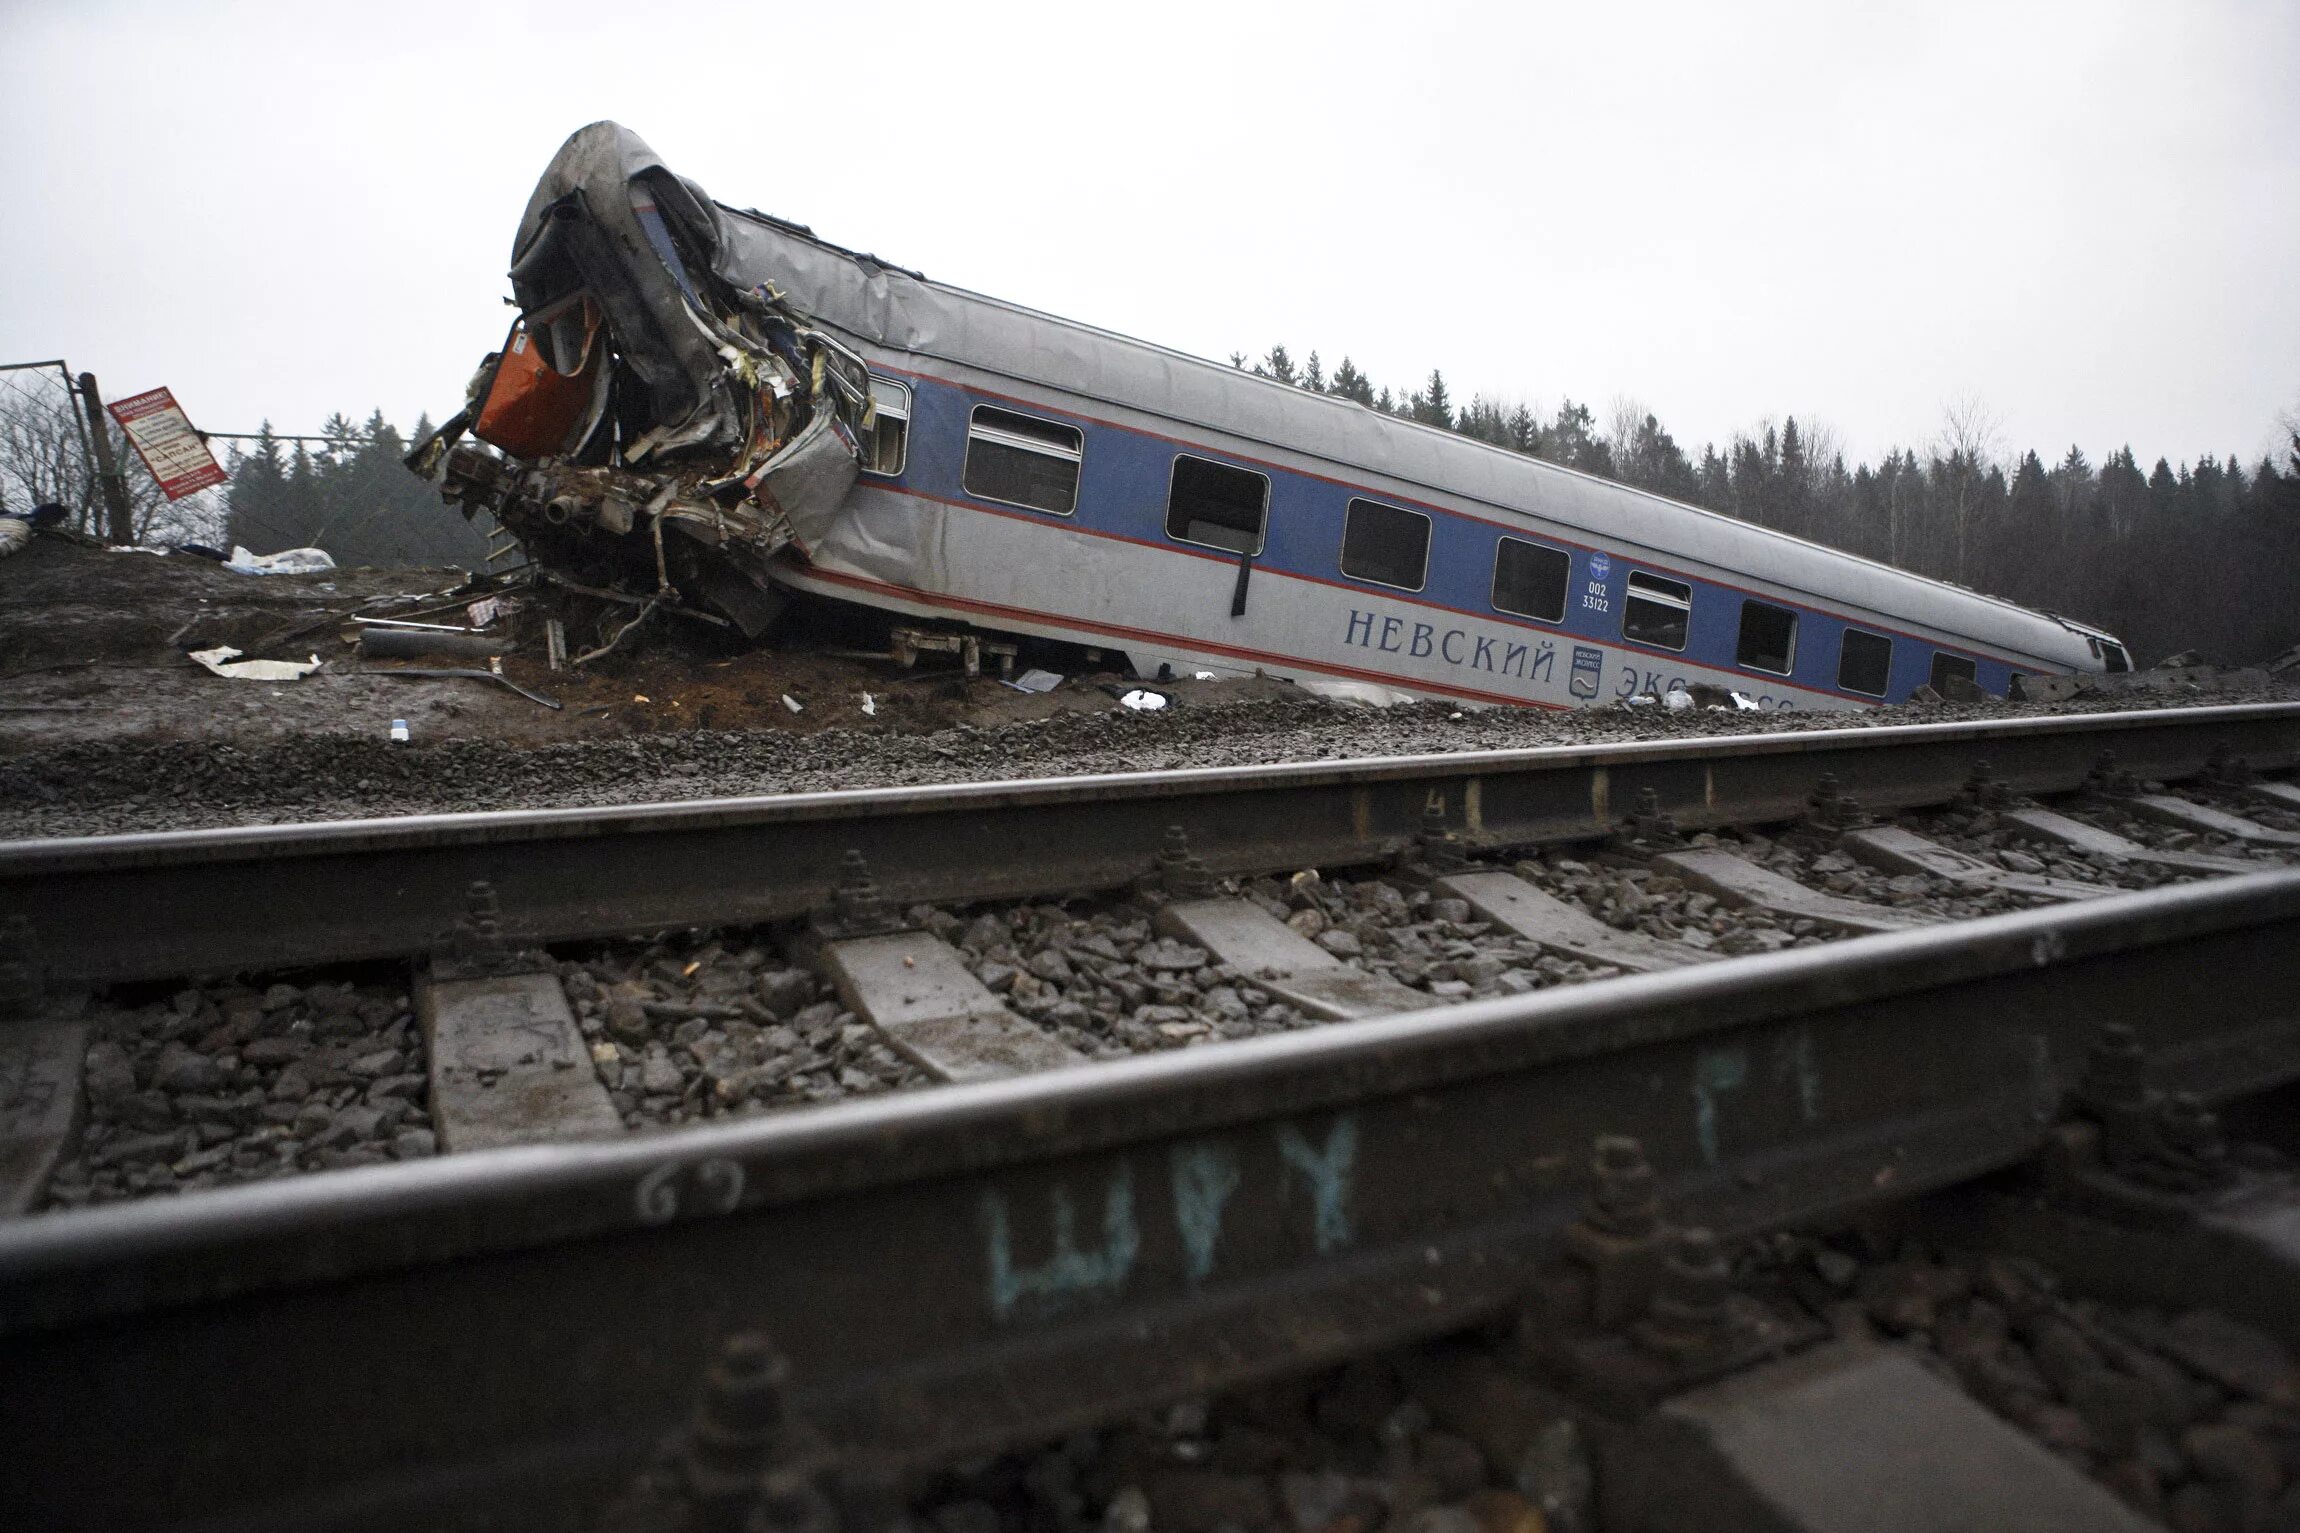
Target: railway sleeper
{"type": "Point", "coordinates": [507, 1064]}
{"type": "Point", "coordinates": [1281, 961]}
{"type": "Point", "coordinates": [2179, 812]}
{"type": "Point", "coordinates": [1511, 903]}
{"type": "Point", "coordinates": [916, 990]}
{"type": "Point", "coordinates": [1742, 883]}
{"type": "Point", "coordinates": [1904, 851]}
{"type": "Point", "coordinates": [2058, 829]}
{"type": "Point", "coordinates": [2280, 795]}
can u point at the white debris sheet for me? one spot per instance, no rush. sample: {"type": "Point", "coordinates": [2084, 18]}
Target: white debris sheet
{"type": "Point", "coordinates": [288, 561]}
{"type": "Point", "coordinates": [222, 661]}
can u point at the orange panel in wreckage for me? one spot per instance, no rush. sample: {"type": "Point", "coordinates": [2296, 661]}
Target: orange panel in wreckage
{"type": "Point", "coordinates": [532, 408]}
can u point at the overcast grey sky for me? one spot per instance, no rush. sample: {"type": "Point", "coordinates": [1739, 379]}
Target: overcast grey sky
{"type": "Point", "coordinates": [2086, 215]}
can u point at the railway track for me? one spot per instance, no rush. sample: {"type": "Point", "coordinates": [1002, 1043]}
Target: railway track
{"type": "Point", "coordinates": [1042, 1243]}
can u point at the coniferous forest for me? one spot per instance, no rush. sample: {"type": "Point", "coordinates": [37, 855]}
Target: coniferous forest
{"type": "Point", "coordinates": [350, 495]}
{"type": "Point", "coordinates": [2201, 555]}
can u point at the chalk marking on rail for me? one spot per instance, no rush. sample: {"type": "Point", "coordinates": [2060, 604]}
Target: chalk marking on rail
{"type": "Point", "coordinates": [1068, 1271]}
{"type": "Point", "coordinates": [717, 1181]}
{"type": "Point", "coordinates": [1329, 1172]}
{"type": "Point", "coordinates": [1715, 1071]}
{"type": "Point", "coordinates": [1205, 1175]}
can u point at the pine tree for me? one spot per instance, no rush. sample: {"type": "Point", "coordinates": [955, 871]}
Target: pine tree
{"type": "Point", "coordinates": [1794, 482]}
{"type": "Point", "coordinates": [1433, 406]}
{"type": "Point", "coordinates": [1314, 375]}
{"type": "Point", "coordinates": [1277, 364]}
{"type": "Point", "coordinates": [1352, 384]}
{"type": "Point", "coordinates": [1715, 481]}
{"type": "Point", "coordinates": [1572, 437]}
{"type": "Point", "coordinates": [1524, 430]}
{"type": "Point", "coordinates": [255, 499]}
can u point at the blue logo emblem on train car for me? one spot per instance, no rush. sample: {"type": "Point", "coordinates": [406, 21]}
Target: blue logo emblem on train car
{"type": "Point", "coordinates": [1588, 670]}
{"type": "Point", "coordinates": [1599, 567]}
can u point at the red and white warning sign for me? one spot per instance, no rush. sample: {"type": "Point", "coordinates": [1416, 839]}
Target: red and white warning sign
{"type": "Point", "coordinates": [163, 437]}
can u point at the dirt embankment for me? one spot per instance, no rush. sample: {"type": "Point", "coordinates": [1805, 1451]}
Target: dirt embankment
{"type": "Point", "coordinates": [106, 724]}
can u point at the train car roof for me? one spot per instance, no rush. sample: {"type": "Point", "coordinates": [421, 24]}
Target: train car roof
{"type": "Point", "coordinates": [901, 310]}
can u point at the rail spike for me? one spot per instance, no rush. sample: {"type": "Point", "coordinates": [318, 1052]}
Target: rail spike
{"type": "Point", "coordinates": [1983, 789]}
{"type": "Point", "coordinates": [2165, 1142]}
{"type": "Point", "coordinates": [2109, 780]}
{"type": "Point", "coordinates": [1620, 1237]}
{"type": "Point", "coordinates": [1435, 851]}
{"type": "Point", "coordinates": [1181, 873]}
{"type": "Point", "coordinates": [1690, 1313]}
{"type": "Point", "coordinates": [475, 946]}
{"type": "Point", "coordinates": [742, 1463]}
{"type": "Point", "coordinates": [858, 907]}
{"type": "Point", "coordinates": [739, 1423]}
{"type": "Point", "coordinates": [1648, 827]}
{"type": "Point", "coordinates": [1830, 808]}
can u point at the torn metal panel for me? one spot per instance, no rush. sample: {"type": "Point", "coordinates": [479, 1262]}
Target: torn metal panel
{"type": "Point", "coordinates": [650, 424]}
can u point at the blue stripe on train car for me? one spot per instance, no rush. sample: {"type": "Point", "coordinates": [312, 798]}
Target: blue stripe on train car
{"type": "Point", "coordinates": [1122, 491]}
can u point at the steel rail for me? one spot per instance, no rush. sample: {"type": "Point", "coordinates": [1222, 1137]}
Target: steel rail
{"type": "Point", "coordinates": [974, 1266]}
{"type": "Point", "coordinates": [112, 908]}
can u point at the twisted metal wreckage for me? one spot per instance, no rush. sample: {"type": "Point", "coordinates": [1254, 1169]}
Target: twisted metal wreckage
{"type": "Point", "coordinates": [665, 427]}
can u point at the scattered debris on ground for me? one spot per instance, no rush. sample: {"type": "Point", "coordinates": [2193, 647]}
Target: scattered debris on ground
{"type": "Point", "coordinates": [108, 724]}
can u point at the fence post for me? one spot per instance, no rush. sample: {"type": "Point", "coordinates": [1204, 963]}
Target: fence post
{"type": "Point", "coordinates": [123, 528]}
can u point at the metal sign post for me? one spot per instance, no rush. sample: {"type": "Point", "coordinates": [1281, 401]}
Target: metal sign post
{"type": "Point", "coordinates": [122, 528]}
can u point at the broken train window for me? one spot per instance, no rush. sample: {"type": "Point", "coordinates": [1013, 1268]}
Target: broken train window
{"type": "Point", "coordinates": [1022, 460]}
{"type": "Point", "coordinates": [1385, 545]}
{"type": "Point", "coordinates": [1864, 662]}
{"type": "Point", "coordinates": [1768, 638]}
{"type": "Point", "coordinates": [1948, 668]}
{"type": "Point", "coordinates": [1657, 611]}
{"type": "Point", "coordinates": [889, 442]}
{"type": "Point", "coordinates": [1215, 504]}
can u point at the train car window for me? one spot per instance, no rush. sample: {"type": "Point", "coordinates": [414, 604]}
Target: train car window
{"type": "Point", "coordinates": [1217, 505]}
{"type": "Point", "coordinates": [1529, 579]}
{"type": "Point", "coordinates": [1022, 460]}
{"type": "Point", "coordinates": [1768, 638]}
{"type": "Point", "coordinates": [1864, 662]}
{"type": "Point", "coordinates": [889, 443]}
{"type": "Point", "coordinates": [1386, 545]}
{"type": "Point", "coordinates": [1947, 666]}
{"type": "Point", "coordinates": [1657, 611]}
{"type": "Point", "coordinates": [2113, 656]}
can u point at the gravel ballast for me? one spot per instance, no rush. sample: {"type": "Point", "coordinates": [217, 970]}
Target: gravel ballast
{"type": "Point", "coordinates": [107, 787]}
{"type": "Point", "coordinates": [225, 1083]}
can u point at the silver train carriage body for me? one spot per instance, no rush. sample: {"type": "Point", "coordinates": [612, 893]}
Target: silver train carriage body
{"type": "Point", "coordinates": [717, 405]}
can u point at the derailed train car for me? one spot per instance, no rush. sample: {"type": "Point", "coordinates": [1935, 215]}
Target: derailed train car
{"type": "Point", "coordinates": [708, 407]}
